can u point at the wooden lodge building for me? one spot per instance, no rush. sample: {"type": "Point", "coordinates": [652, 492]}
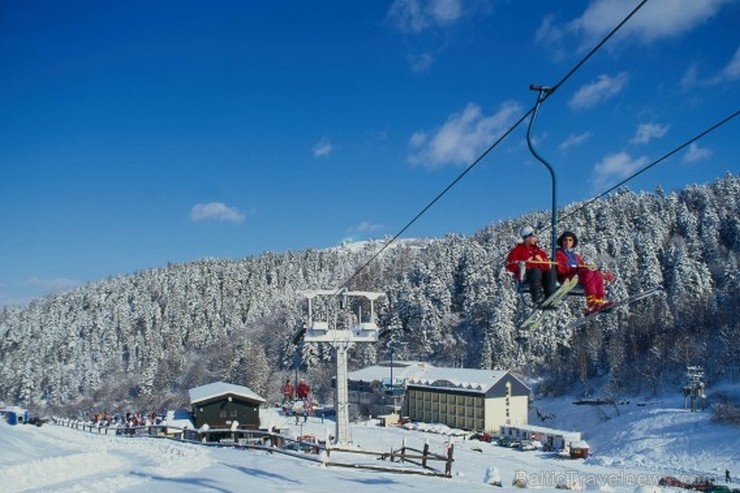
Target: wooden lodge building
{"type": "Point", "coordinates": [219, 404]}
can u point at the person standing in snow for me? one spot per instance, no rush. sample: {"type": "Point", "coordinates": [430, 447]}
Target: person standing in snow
{"type": "Point", "coordinates": [727, 476]}
{"type": "Point", "coordinates": [303, 390]}
{"type": "Point", "coordinates": [569, 263]}
{"type": "Point", "coordinates": [287, 391]}
{"type": "Point", "coordinates": [537, 271]}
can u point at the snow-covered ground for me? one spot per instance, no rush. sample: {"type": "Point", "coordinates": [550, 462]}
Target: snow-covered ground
{"type": "Point", "coordinates": [633, 445]}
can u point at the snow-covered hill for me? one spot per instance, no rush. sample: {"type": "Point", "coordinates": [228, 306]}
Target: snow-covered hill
{"type": "Point", "coordinates": [657, 435]}
{"type": "Point", "coordinates": [448, 301]}
{"type": "Point", "coordinates": [634, 444]}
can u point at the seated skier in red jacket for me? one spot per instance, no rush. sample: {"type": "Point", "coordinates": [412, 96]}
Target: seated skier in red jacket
{"type": "Point", "coordinates": [569, 263]}
{"type": "Point", "coordinates": [537, 272]}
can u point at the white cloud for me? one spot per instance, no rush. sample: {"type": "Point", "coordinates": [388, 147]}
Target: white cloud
{"type": "Point", "coordinates": [695, 153]}
{"type": "Point", "coordinates": [421, 63]}
{"type": "Point", "coordinates": [366, 227]}
{"type": "Point", "coordinates": [417, 15]}
{"type": "Point", "coordinates": [657, 19]}
{"type": "Point", "coordinates": [53, 285]}
{"type": "Point", "coordinates": [614, 168]}
{"type": "Point", "coordinates": [732, 70]}
{"type": "Point", "coordinates": [601, 90]}
{"type": "Point", "coordinates": [407, 15]}
{"type": "Point", "coordinates": [553, 38]}
{"type": "Point", "coordinates": [361, 231]}
{"type": "Point", "coordinates": [424, 24]}
{"type": "Point", "coordinates": [216, 211]}
{"type": "Point", "coordinates": [323, 148]}
{"type": "Point", "coordinates": [463, 137]}
{"type": "Point", "coordinates": [445, 11]}
{"type": "Point", "coordinates": [574, 140]}
{"type": "Point", "coordinates": [689, 78]}
{"type": "Point", "coordinates": [549, 32]}
{"type": "Point", "coordinates": [729, 73]}
{"type": "Point", "coordinates": [649, 131]}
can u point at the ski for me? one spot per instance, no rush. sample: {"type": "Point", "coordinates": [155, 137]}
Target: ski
{"type": "Point", "coordinates": [623, 302]}
{"type": "Point", "coordinates": [534, 320]}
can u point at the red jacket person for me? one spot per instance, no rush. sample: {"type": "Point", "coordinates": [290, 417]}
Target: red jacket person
{"type": "Point", "coordinates": [569, 263]}
{"type": "Point", "coordinates": [531, 264]}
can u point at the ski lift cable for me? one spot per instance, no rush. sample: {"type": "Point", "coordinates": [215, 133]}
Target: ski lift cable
{"type": "Point", "coordinates": [549, 91]}
{"type": "Point", "coordinates": [654, 163]}
{"type": "Point", "coordinates": [665, 156]}
{"type": "Point", "coordinates": [433, 201]}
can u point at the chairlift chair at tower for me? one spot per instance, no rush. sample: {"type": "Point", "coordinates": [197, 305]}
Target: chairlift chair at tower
{"type": "Point", "coordinates": [333, 321]}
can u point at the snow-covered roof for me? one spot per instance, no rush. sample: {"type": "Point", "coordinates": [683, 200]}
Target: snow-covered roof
{"type": "Point", "coordinates": [216, 389]}
{"type": "Point", "coordinates": [13, 409]}
{"type": "Point", "coordinates": [461, 378]}
{"type": "Point", "coordinates": [179, 419]}
{"type": "Point", "coordinates": [546, 431]}
{"type": "Point", "coordinates": [402, 370]}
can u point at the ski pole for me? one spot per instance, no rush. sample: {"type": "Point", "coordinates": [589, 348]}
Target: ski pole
{"type": "Point", "coordinates": [551, 262]}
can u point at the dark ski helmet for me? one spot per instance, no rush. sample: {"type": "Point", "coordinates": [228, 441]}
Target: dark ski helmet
{"type": "Point", "coordinates": [568, 234]}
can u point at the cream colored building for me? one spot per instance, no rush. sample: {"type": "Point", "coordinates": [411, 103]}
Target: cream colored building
{"type": "Point", "coordinates": [470, 399]}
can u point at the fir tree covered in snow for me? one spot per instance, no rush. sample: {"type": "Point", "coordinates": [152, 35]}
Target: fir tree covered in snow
{"type": "Point", "coordinates": [148, 337]}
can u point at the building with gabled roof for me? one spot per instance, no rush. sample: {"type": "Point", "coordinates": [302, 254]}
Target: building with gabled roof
{"type": "Point", "coordinates": [219, 404]}
{"type": "Point", "coordinates": [466, 398]}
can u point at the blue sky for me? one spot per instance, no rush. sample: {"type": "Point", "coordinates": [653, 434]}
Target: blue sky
{"type": "Point", "coordinates": [133, 134]}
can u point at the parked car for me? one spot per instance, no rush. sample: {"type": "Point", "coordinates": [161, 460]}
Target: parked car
{"type": "Point", "coordinates": [707, 485]}
{"type": "Point", "coordinates": [526, 445]}
{"type": "Point", "coordinates": [503, 441]}
{"type": "Point", "coordinates": [671, 481]}
{"type": "Point", "coordinates": [483, 437]}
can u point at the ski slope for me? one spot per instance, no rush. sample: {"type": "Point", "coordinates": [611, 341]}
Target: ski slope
{"type": "Point", "coordinates": [633, 445]}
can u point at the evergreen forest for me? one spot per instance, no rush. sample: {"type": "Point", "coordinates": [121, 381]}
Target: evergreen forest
{"type": "Point", "coordinates": [142, 340]}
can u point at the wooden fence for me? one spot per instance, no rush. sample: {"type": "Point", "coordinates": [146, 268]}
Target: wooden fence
{"type": "Point", "coordinates": [306, 447]}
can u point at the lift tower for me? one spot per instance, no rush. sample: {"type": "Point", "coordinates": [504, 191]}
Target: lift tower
{"type": "Point", "coordinates": [342, 331]}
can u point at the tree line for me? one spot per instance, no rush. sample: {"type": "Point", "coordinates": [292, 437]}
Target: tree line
{"type": "Point", "coordinates": [144, 339]}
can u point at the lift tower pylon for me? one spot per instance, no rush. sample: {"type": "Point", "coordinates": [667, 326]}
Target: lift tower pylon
{"type": "Point", "coordinates": [341, 332]}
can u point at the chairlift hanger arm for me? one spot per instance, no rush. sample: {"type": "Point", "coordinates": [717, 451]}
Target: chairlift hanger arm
{"type": "Point", "coordinates": [542, 93]}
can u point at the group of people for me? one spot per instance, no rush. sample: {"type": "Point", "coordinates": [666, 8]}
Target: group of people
{"type": "Point", "coordinates": [300, 391]}
{"type": "Point", "coordinates": [125, 424]}
{"type": "Point", "coordinates": [532, 265]}
{"type": "Point", "coordinates": [296, 399]}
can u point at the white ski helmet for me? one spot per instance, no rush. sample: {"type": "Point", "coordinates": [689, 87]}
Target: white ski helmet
{"type": "Point", "coordinates": [526, 232]}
